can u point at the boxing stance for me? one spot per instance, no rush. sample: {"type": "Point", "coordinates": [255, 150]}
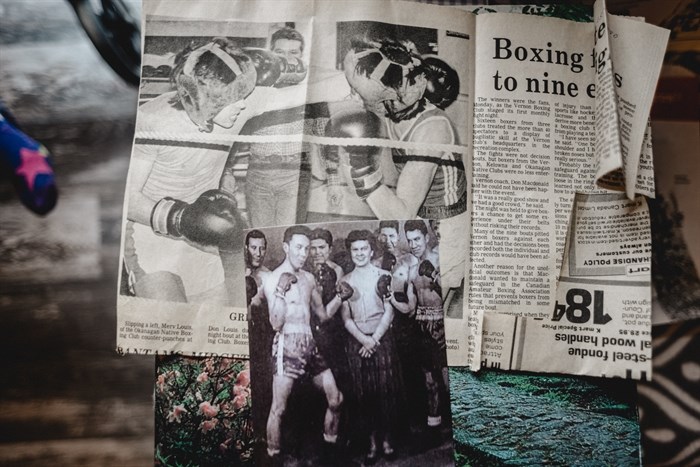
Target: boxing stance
{"type": "Point", "coordinates": [411, 93]}
{"type": "Point", "coordinates": [429, 315]}
{"type": "Point", "coordinates": [178, 219]}
{"type": "Point", "coordinates": [370, 352]}
{"type": "Point", "coordinates": [392, 83]}
{"type": "Point", "coordinates": [292, 295]}
{"type": "Point", "coordinates": [327, 272]}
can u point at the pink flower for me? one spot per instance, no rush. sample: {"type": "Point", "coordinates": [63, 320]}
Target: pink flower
{"type": "Point", "coordinates": [243, 378]}
{"type": "Point", "coordinates": [209, 365]}
{"type": "Point", "coordinates": [203, 376]}
{"type": "Point", "coordinates": [208, 425]}
{"type": "Point", "coordinates": [161, 383]}
{"type": "Point", "coordinates": [238, 390]}
{"type": "Point", "coordinates": [208, 410]}
{"type": "Point", "coordinates": [240, 401]}
{"type": "Point", "coordinates": [175, 414]}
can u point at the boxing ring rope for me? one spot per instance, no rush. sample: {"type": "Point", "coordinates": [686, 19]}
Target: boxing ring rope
{"type": "Point", "coordinates": [224, 142]}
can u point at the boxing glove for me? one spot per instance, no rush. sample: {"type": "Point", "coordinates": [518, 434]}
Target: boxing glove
{"type": "Point", "coordinates": [268, 66]}
{"type": "Point", "coordinates": [211, 220]}
{"type": "Point", "coordinates": [442, 82]}
{"type": "Point", "coordinates": [285, 283]}
{"type": "Point", "coordinates": [426, 269]}
{"type": "Point", "coordinates": [344, 290]}
{"type": "Point", "coordinates": [384, 286]}
{"type": "Point", "coordinates": [325, 278]}
{"type": "Point", "coordinates": [388, 261]}
{"type": "Point", "coordinates": [293, 73]}
{"type": "Point", "coordinates": [364, 160]}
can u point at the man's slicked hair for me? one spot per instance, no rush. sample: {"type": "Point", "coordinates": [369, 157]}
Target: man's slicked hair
{"type": "Point", "coordinates": [389, 225]}
{"type": "Point", "coordinates": [255, 234]}
{"type": "Point", "coordinates": [322, 234]}
{"type": "Point", "coordinates": [296, 230]}
{"type": "Point", "coordinates": [415, 224]}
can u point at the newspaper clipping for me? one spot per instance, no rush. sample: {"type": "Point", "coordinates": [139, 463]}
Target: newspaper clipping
{"type": "Point", "coordinates": [547, 125]}
{"type": "Point", "coordinates": [529, 154]}
{"type": "Point", "coordinates": [249, 128]}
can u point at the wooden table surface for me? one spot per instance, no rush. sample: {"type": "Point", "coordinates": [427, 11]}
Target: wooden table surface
{"type": "Point", "coordinates": [66, 398]}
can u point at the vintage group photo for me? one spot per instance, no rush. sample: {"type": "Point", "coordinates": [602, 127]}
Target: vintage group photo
{"type": "Point", "coordinates": [347, 344]}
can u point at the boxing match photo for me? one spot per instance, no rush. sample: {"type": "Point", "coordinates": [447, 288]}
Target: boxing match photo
{"type": "Point", "coordinates": [241, 126]}
{"type": "Point", "coordinates": [347, 344]}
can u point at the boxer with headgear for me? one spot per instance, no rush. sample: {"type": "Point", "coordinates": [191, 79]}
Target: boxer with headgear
{"type": "Point", "coordinates": [210, 78]}
{"type": "Point", "coordinates": [178, 218]}
{"type": "Point", "coordinates": [395, 83]}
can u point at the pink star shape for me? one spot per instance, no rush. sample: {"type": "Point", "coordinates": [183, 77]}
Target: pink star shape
{"type": "Point", "coordinates": [33, 163]}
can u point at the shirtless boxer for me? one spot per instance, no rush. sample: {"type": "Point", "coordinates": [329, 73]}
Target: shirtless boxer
{"type": "Point", "coordinates": [292, 295]}
{"type": "Point", "coordinates": [425, 278]}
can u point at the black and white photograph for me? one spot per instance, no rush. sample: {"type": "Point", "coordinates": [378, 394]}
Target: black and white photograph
{"type": "Point", "coordinates": [182, 215]}
{"type": "Point", "coordinates": [348, 359]}
{"type": "Point", "coordinates": [237, 128]}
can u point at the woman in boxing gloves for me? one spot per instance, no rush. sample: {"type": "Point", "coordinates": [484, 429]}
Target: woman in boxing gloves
{"type": "Point", "coordinates": [178, 218]}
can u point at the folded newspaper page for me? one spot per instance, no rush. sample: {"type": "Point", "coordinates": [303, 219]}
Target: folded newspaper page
{"type": "Point", "coordinates": [284, 113]}
{"type": "Point", "coordinates": [548, 125]}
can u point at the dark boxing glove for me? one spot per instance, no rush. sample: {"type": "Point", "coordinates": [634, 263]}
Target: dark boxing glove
{"type": "Point", "coordinates": [211, 220]}
{"type": "Point", "coordinates": [325, 278]}
{"type": "Point", "coordinates": [293, 73]}
{"type": "Point", "coordinates": [426, 269]}
{"type": "Point", "coordinates": [364, 160]}
{"type": "Point", "coordinates": [268, 66]}
{"type": "Point", "coordinates": [384, 286]}
{"type": "Point", "coordinates": [388, 261]}
{"type": "Point", "coordinates": [285, 283]}
{"type": "Point", "coordinates": [344, 290]}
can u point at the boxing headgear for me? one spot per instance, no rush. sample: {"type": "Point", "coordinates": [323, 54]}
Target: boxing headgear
{"type": "Point", "coordinates": [203, 97]}
{"type": "Point", "coordinates": [372, 88]}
